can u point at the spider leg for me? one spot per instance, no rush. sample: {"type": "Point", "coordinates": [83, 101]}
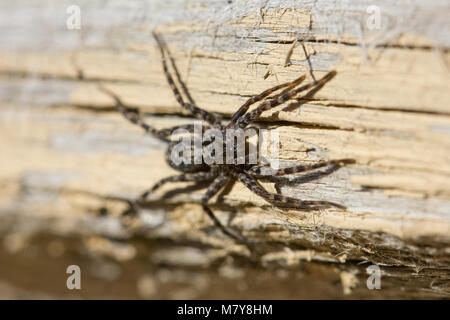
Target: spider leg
{"type": "Point", "coordinates": [197, 177]}
{"type": "Point", "coordinates": [215, 187]}
{"type": "Point", "coordinates": [244, 120]}
{"type": "Point", "coordinates": [309, 63]}
{"type": "Point", "coordinates": [251, 183]}
{"type": "Point", "coordinates": [188, 127]}
{"type": "Point", "coordinates": [268, 171]}
{"type": "Point", "coordinates": [132, 116]}
{"type": "Point", "coordinates": [197, 112]}
{"type": "Point", "coordinates": [243, 109]}
{"type": "Point", "coordinates": [178, 76]}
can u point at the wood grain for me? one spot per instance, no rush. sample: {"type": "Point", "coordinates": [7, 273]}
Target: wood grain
{"type": "Point", "coordinates": [70, 162]}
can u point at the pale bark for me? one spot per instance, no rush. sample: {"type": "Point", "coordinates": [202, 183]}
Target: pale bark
{"type": "Point", "coordinates": [68, 156]}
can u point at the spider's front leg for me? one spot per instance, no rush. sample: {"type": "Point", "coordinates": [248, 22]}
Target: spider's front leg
{"type": "Point", "coordinates": [243, 109]}
{"type": "Point", "coordinates": [249, 116]}
{"type": "Point", "coordinates": [194, 110]}
{"type": "Point", "coordinates": [268, 171]}
{"type": "Point", "coordinates": [251, 183]}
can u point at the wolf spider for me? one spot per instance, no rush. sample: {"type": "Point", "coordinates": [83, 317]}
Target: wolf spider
{"type": "Point", "coordinates": [218, 175]}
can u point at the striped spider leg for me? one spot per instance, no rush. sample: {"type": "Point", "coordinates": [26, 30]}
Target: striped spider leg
{"type": "Point", "coordinates": [194, 110]}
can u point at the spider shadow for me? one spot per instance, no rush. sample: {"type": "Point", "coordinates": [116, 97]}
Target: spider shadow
{"type": "Point", "coordinates": [305, 99]}
{"type": "Point", "coordinates": [199, 186]}
{"type": "Point", "coordinates": [183, 190]}
{"type": "Point", "coordinates": [132, 210]}
{"type": "Point", "coordinates": [221, 197]}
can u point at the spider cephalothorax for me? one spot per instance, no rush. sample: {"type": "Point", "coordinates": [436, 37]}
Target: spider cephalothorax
{"type": "Point", "coordinates": [219, 174]}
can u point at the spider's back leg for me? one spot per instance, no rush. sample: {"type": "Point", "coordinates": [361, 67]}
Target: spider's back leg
{"type": "Point", "coordinates": [215, 187]}
{"type": "Point", "coordinates": [195, 177]}
{"type": "Point", "coordinates": [133, 116]}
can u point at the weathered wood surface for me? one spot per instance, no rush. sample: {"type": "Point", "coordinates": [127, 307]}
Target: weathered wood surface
{"type": "Point", "coordinates": [70, 162]}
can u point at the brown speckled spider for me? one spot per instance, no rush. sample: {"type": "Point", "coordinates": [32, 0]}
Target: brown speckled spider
{"type": "Point", "coordinates": [220, 174]}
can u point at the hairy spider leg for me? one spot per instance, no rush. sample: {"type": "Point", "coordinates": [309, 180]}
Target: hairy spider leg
{"type": "Point", "coordinates": [251, 183]}
{"type": "Point", "coordinates": [213, 189]}
{"type": "Point", "coordinates": [133, 116]}
{"type": "Point", "coordinates": [195, 111]}
{"type": "Point", "coordinates": [267, 171]}
{"type": "Point", "coordinates": [243, 109]}
{"type": "Point", "coordinates": [196, 177]}
{"type": "Point", "coordinates": [177, 75]}
{"type": "Point", "coordinates": [251, 115]}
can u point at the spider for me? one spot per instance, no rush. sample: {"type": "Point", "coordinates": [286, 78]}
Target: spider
{"type": "Point", "coordinates": [218, 175]}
